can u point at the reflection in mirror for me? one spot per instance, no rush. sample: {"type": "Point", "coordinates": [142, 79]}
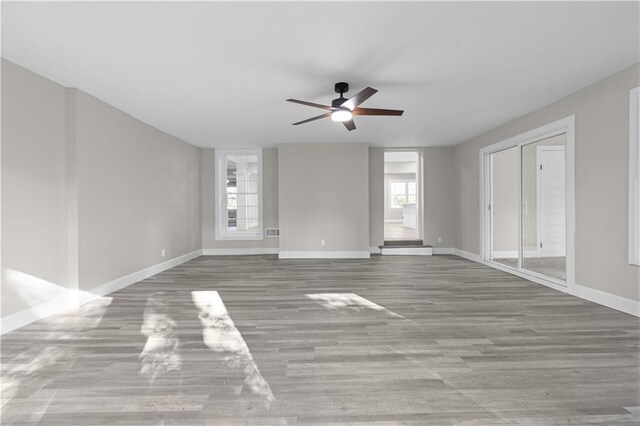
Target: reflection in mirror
{"type": "Point", "coordinates": [543, 207]}
{"type": "Point", "coordinates": [160, 354]}
{"type": "Point", "coordinates": [504, 207]}
{"type": "Point", "coordinates": [220, 334]}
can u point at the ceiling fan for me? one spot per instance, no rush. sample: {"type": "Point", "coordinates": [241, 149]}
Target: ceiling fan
{"type": "Point", "coordinates": [343, 109]}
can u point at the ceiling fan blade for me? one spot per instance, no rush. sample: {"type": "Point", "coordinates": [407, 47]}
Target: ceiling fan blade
{"type": "Point", "coordinates": [350, 125]}
{"type": "Point", "coordinates": [311, 104]}
{"type": "Point", "coordinates": [376, 111]}
{"type": "Point", "coordinates": [359, 98]}
{"type": "Point", "coordinates": [317, 117]}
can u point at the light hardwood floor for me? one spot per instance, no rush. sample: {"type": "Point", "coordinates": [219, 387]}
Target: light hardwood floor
{"type": "Point", "coordinates": [383, 341]}
{"type": "Point", "coordinates": [551, 266]}
{"type": "Point", "coordinates": [397, 231]}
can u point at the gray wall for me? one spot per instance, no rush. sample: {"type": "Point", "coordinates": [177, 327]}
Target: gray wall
{"type": "Point", "coordinates": [602, 179]}
{"type": "Point", "coordinates": [269, 195]}
{"type": "Point", "coordinates": [438, 196]}
{"type": "Point", "coordinates": [34, 221]}
{"type": "Point", "coordinates": [376, 196]}
{"type": "Point", "coordinates": [138, 192]}
{"type": "Point", "coordinates": [324, 195]}
{"type": "Point", "coordinates": [89, 194]}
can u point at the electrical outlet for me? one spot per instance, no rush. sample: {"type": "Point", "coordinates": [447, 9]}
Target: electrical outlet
{"type": "Point", "coordinates": [439, 239]}
{"type": "Point", "coordinates": [322, 243]}
{"type": "Point", "coordinates": [162, 252]}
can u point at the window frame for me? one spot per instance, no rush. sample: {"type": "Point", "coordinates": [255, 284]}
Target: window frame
{"type": "Point", "coordinates": [406, 192]}
{"type": "Point", "coordinates": [221, 212]}
{"type": "Point", "coordinates": [634, 176]}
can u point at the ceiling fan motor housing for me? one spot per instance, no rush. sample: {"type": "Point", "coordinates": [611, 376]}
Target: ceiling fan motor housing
{"type": "Point", "coordinates": [341, 87]}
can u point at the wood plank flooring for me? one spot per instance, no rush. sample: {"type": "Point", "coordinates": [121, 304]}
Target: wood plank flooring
{"type": "Point", "coordinates": [397, 231]}
{"type": "Point", "coordinates": [382, 341]}
{"type": "Point", "coordinates": [550, 266]}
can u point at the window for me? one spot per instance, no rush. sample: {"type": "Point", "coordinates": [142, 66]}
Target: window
{"type": "Point", "coordinates": [239, 194]}
{"type": "Point", "coordinates": [634, 177]}
{"type": "Point", "coordinates": [401, 192]}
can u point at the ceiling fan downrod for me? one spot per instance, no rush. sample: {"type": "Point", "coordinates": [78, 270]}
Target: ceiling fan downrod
{"type": "Point", "coordinates": [341, 88]}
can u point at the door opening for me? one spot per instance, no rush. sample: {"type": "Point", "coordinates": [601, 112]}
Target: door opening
{"type": "Point", "coordinates": [402, 212]}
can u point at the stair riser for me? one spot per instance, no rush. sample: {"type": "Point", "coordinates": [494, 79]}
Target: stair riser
{"type": "Point", "coordinates": [407, 251]}
{"type": "Point", "coordinates": [403, 243]}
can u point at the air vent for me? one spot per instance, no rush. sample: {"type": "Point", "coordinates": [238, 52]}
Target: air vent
{"type": "Point", "coordinates": [272, 232]}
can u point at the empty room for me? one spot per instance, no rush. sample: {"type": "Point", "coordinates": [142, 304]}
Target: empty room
{"type": "Point", "coordinates": [320, 213]}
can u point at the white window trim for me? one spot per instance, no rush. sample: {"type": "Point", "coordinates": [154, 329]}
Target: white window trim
{"type": "Point", "coordinates": [406, 191]}
{"type": "Point", "coordinates": [634, 176]}
{"type": "Point", "coordinates": [221, 180]}
{"type": "Point", "coordinates": [566, 126]}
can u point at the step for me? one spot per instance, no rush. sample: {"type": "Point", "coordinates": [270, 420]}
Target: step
{"type": "Point", "coordinates": [402, 243]}
{"type": "Point", "coordinates": [409, 250]}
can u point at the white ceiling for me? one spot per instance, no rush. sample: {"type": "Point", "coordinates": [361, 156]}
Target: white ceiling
{"type": "Point", "coordinates": [218, 74]}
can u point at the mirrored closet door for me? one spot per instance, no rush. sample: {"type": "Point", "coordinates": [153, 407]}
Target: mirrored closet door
{"type": "Point", "coordinates": [526, 194]}
{"type": "Point", "coordinates": [544, 235]}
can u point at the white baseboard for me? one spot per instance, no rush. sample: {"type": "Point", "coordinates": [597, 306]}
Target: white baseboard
{"type": "Point", "coordinates": [324, 255]}
{"type": "Point", "coordinates": [443, 250]}
{"type": "Point", "coordinates": [20, 319]}
{"type": "Point", "coordinates": [239, 251]}
{"type": "Point", "coordinates": [72, 299]}
{"type": "Point", "coordinates": [407, 251]}
{"type": "Point", "coordinates": [374, 250]}
{"type": "Point", "coordinates": [467, 255]}
{"type": "Point", "coordinates": [110, 287]}
{"type": "Point", "coordinates": [609, 300]}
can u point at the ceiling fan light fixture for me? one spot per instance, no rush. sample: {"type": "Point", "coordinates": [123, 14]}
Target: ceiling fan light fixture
{"type": "Point", "coordinates": [342, 109]}
{"type": "Point", "coordinates": [341, 115]}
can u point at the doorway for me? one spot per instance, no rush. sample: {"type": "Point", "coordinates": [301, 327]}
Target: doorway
{"type": "Point", "coordinates": [402, 211]}
{"type": "Point", "coordinates": [528, 208]}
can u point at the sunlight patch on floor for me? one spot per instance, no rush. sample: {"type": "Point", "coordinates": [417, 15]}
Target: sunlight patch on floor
{"type": "Point", "coordinates": [26, 368]}
{"type": "Point", "coordinates": [221, 335]}
{"type": "Point", "coordinates": [160, 354]}
{"type": "Point", "coordinates": [348, 300]}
